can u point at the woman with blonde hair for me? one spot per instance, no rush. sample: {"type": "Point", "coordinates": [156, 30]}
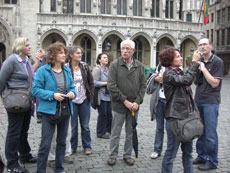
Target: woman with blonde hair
{"type": "Point", "coordinates": [17, 74]}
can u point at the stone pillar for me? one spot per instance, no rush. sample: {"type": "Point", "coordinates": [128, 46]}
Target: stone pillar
{"type": "Point", "coordinates": [153, 55]}
{"type": "Point", "coordinates": [46, 5]}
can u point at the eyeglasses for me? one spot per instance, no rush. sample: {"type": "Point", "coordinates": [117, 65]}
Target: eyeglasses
{"type": "Point", "coordinates": [126, 48]}
{"type": "Point", "coordinates": [204, 44]}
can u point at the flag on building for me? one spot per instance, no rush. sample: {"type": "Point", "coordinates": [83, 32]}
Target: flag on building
{"type": "Point", "coordinates": [206, 13]}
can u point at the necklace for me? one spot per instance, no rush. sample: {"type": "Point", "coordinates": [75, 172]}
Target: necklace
{"type": "Point", "coordinates": [76, 68]}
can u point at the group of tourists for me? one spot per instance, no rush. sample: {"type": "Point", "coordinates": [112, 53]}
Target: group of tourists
{"type": "Point", "coordinates": [63, 87]}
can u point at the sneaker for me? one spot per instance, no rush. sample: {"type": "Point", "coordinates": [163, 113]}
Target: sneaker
{"type": "Point", "coordinates": [105, 136]}
{"type": "Point", "coordinates": [73, 152]}
{"type": "Point", "coordinates": [198, 161]}
{"type": "Point", "coordinates": [111, 161]}
{"type": "Point", "coordinates": [154, 155]}
{"type": "Point", "coordinates": [51, 164]}
{"type": "Point", "coordinates": [88, 151]}
{"type": "Point", "coordinates": [29, 160]}
{"type": "Point", "coordinates": [39, 120]}
{"type": "Point", "coordinates": [129, 161]}
{"type": "Point", "coordinates": [68, 160]}
{"type": "Point", "coordinates": [17, 169]}
{"type": "Point", "coordinates": [205, 168]}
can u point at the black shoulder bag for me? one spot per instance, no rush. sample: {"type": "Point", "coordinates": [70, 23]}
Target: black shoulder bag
{"type": "Point", "coordinates": [63, 107]}
{"type": "Point", "coordinates": [189, 128]}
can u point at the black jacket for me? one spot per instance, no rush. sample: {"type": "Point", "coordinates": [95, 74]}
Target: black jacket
{"type": "Point", "coordinates": [178, 100]}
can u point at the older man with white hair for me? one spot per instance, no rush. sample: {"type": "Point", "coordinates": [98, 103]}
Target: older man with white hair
{"type": "Point", "coordinates": [126, 85]}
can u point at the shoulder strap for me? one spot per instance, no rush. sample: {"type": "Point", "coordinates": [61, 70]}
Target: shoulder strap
{"type": "Point", "coordinates": [65, 90]}
{"type": "Point", "coordinates": [29, 75]}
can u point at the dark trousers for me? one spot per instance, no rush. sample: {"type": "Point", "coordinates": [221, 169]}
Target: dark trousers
{"type": "Point", "coordinates": [48, 128]}
{"type": "Point", "coordinates": [104, 120]}
{"type": "Point", "coordinates": [16, 138]}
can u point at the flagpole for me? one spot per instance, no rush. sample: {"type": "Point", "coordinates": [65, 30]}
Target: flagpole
{"type": "Point", "coordinates": [201, 10]}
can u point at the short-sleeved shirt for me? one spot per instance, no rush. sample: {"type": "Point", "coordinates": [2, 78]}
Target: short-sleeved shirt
{"type": "Point", "coordinates": [205, 94]}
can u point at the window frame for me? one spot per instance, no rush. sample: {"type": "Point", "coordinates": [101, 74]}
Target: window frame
{"type": "Point", "coordinates": [11, 2]}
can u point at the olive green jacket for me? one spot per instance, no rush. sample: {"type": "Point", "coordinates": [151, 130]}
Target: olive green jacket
{"type": "Point", "coordinates": [126, 84]}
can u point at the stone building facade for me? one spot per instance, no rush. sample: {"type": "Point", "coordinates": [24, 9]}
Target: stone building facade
{"type": "Point", "coordinates": [100, 25]}
{"type": "Point", "coordinates": [218, 30]}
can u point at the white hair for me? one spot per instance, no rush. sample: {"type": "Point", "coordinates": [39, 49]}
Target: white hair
{"type": "Point", "coordinates": [130, 42]}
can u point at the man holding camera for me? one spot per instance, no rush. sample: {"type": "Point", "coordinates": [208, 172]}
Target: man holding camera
{"type": "Point", "coordinates": [207, 99]}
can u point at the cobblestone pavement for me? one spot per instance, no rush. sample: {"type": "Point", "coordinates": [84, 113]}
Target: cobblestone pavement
{"type": "Point", "coordinates": [96, 163]}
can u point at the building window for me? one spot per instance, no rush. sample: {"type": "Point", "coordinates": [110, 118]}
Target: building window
{"type": "Point", "coordinates": [228, 13]}
{"type": "Point", "coordinates": [212, 17]}
{"type": "Point", "coordinates": [85, 6]}
{"type": "Point", "coordinates": [188, 17]}
{"type": "Point", "coordinates": [180, 11]}
{"type": "Point", "coordinates": [223, 16]}
{"type": "Point", "coordinates": [223, 37]}
{"type": "Point", "coordinates": [218, 17]}
{"type": "Point", "coordinates": [155, 8]}
{"type": "Point", "coordinates": [122, 7]}
{"type": "Point", "coordinates": [86, 45]}
{"type": "Point", "coordinates": [10, 1]}
{"type": "Point", "coordinates": [53, 5]}
{"type": "Point", "coordinates": [217, 38]}
{"type": "Point", "coordinates": [207, 33]}
{"type": "Point", "coordinates": [106, 47]}
{"type": "Point", "coordinates": [105, 6]}
{"type": "Point", "coordinates": [169, 9]}
{"type": "Point", "coordinates": [118, 48]}
{"type": "Point", "coordinates": [212, 35]}
{"type": "Point", "coordinates": [137, 7]}
{"type": "Point", "coordinates": [67, 6]}
{"type": "Point", "coordinates": [138, 47]}
{"type": "Point", "coordinates": [228, 36]}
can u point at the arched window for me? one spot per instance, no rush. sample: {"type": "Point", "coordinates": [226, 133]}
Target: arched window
{"type": "Point", "coordinates": [122, 7]}
{"type": "Point", "coordinates": [86, 46]}
{"type": "Point", "coordinates": [118, 48]}
{"type": "Point", "coordinates": [138, 50]}
{"type": "Point", "coordinates": [67, 6]}
{"type": "Point", "coordinates": [105, 6]}
{"type": "Point", "coordinates": [2, 53]}
{"type": "Point", "coordinates": [85, 6]}
{"type": "Point", "coordinates": [155, 11]}
{"type": "Point", "coordinates": [137, 7]}
{"type": "Point", "coordinates": [106, 47]}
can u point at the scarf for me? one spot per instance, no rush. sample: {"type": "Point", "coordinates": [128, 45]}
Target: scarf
{"type": "Point", "coordinates": [188, 89]}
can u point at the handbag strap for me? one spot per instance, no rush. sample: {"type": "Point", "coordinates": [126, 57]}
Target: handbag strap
{"type": "Point", "coordinates": [193, 108]}
{"type": "Point", "coordinates": [29, 75]}
{"type": "Point", "coordinates": [65, 90]}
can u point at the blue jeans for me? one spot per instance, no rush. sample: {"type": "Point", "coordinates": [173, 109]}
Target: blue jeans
{"type": "Point", "coordinates": [104, 120]}
{"type": "Point", "coordinates": [83, 112]}
{"type": "Point", "coordinates": [17, 138]}
{"type": "Point", "coordinates": [159, 135]}
{"type": "Point", "coordinates": [48, 128]}
{"type": "Point", "coordinates": [207, 144]}
{"type": "Point", "coordinates": [172, 147]}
